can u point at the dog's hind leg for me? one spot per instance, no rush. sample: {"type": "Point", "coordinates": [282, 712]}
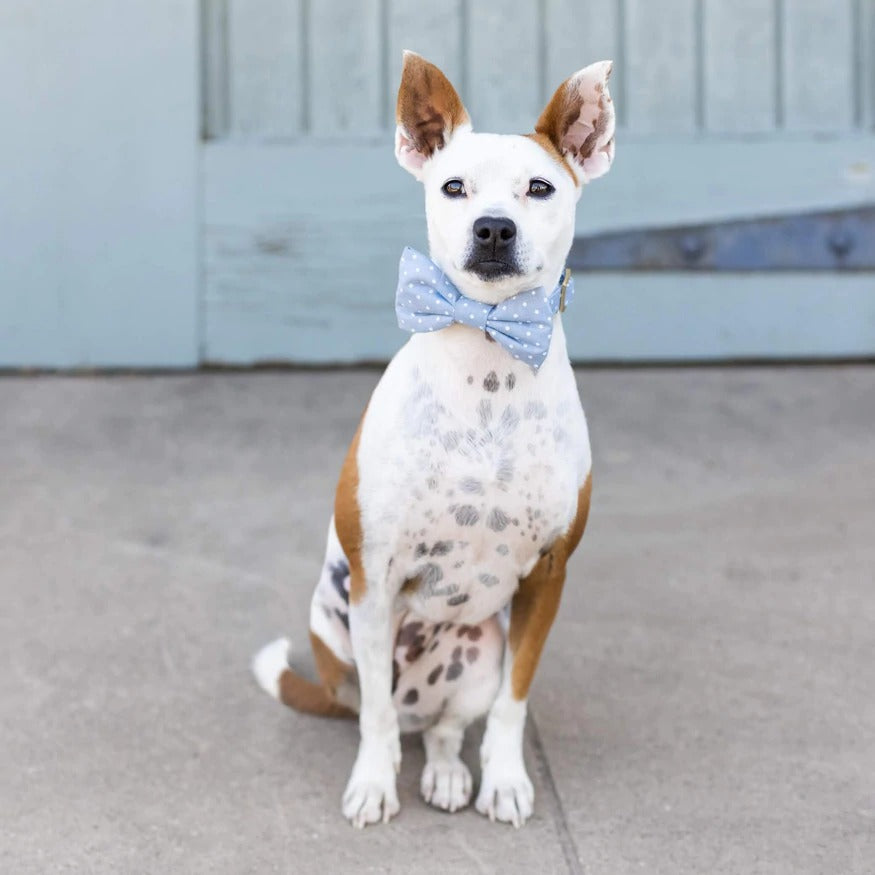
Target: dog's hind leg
{"type": "Point", "coordinates": [336, 695]}
{"type": "Point", "coordinates": [447, 677]}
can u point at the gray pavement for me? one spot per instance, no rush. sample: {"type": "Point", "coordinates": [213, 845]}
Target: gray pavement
{"type": "Point", "coordinates": [706, 703]}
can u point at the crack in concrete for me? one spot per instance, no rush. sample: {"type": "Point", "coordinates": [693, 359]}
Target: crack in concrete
{"type": "Point", "coordinates": [566, 840]}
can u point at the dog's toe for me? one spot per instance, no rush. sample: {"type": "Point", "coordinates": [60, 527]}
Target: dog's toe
{"type": "Point", "coordinates": [370, 795]}
{"type": "Point", "coordinates": [446, 784]}
{"type": "Point", "coordinates": [365, 803]}
{"type": "Point", "coordinates": [508, 799]}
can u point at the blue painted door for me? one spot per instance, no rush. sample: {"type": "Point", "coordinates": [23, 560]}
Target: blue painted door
{"type": "Point", "coordinates": [728, 109]}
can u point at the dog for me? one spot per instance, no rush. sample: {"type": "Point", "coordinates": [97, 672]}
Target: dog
{"type": "Point", "coordinates": [467, 485]}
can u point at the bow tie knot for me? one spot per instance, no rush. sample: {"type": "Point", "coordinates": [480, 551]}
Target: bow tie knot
{"type": "Point", "coordinates": [427, 300]}
{"type": "Point", "coordinates": [473, 313]}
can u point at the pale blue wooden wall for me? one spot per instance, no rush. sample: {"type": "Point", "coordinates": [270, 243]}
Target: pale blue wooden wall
{"type": "Point", "coordinates": [280, 70]}
{"type": "Point", "coordinates": [99, 157]}
{"type": "Point", "coordinates": [214, 181]}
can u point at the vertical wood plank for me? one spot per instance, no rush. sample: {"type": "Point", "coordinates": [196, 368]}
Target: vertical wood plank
{"type": "Point", "coordinates": [434, 30]}
{"type": "Point", "coordinates": [504, 59]}
{"type": "Point", "coordinates": [661, 68]}
{"type": "Point", "coordinates": [818, 65]}
{"type": "Point", "coordinates": [346, 89]}
{"type": "Point", "coordinates": [264, 50]}
{"type": "Point", "coordinates": [865, 75]}
{"type": "Point", "coordinates": [215, 114]}
{"type": "Point", "coordinates": [739, 65]}
{"type": "Point", "coordinates": [577, 33]}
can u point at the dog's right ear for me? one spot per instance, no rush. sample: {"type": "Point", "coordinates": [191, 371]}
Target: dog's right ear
{"type": "Point", "coordinates": [428, 113]}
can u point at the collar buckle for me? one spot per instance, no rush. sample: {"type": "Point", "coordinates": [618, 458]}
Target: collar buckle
{"type": "Point", "coordinates": [565, 280]}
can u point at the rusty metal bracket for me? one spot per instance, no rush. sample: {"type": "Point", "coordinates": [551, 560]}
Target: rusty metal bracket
{"type": "Point", "coordinates": [834, 240]}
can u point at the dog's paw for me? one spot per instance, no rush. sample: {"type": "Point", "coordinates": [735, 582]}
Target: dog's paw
{"type": "Point", "coordinates": [446, 784]}
{"type": "Point", "coordinates": [370, 801]}
{"type": "Point", "coordinates": [506, 794]}
{"type": "Point", "coordinates": [370, 795]}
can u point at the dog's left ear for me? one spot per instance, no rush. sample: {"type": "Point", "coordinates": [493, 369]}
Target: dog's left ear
{"type": "Point", "coordinates": [428, 112]}
{"type": "Point", "coordinates": [579, 121]}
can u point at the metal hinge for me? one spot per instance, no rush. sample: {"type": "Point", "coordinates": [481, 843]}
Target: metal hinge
{"type": "Point", "coordinates": [827, 240]}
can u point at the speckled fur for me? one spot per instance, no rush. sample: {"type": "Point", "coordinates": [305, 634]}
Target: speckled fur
{"type": "Point", "coordinates": [467, 468]}
{"type": "Point", "coordinates": [437, 668]}
{"type": "Point", "coordinates": [466, 483]}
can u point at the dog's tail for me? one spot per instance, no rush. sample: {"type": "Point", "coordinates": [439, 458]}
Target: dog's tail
{"type": "Point", "coordinates": [276, 677]}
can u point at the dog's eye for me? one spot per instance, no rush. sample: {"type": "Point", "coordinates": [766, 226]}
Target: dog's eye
{"type": "Point", "coordinates": [540, 188]}
{"type": "Point", "coordinates": [454, 188]}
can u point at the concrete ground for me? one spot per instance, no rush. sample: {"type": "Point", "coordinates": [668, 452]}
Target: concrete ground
{"type": "Point", "coordinates": [706, 703]}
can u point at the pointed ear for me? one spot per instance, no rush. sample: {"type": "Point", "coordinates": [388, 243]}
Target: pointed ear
{"type": "Point", "coordinates": [579, 120]}
{"type": "Point", "coordinates": [428, 112]}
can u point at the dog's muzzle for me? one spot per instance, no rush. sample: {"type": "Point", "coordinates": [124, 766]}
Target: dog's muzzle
{"type": "Point", "coordinates": [492, 254]}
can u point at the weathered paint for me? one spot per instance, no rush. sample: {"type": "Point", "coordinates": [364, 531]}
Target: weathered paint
{"type": "Point", "coordinates": [285, 281]}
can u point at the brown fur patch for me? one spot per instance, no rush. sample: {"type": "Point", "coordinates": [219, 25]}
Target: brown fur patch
{"type": "Point", "coordinates": [428, 106]}
{"type": "Point", "coordinates": [559, 114]}
{"type": "Point", "coordinates": [311, 698]}
{"type": "Point", "coordinates": [536, 601]}
{"type": "Point", "coordinates": [347, 518]}
{"type": "Point", "coordinates": [332, 670]}
{"type": "Point", "coordinates": [410, 586]}
{"type": "Point", "coordinates": [589, 144]}
{"type": "Point", "coordinates": [548, 146]}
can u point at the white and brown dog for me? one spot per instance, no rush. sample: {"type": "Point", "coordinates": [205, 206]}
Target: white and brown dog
{"type": "Point", "coordinates": [467, 485]}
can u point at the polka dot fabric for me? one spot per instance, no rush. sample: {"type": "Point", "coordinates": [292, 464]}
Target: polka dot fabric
{"type": "Point", "coordinates": [426, 300]}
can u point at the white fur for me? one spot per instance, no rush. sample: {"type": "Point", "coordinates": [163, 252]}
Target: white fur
{"type": "Point", "coordinates": [446, 781]}
{"type": "Point", "coordinates": [496, 170]}
{"type": "Point", "coordinates": [323, 620]}
{"type": "Point", "coordinates": [506, 793]}
{"type": "Point", "coordinates": [427, 460]}
{"type": "Point", "coordinates": [444, 460]}
{"type": "Point", "coordinates": [370, 795]}
{"type": "Point", "coordinates": [469, 467]}
{"type": "Point", "coordinates": [269, 663]}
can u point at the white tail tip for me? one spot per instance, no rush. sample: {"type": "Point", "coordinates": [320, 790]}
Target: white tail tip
{"type": "Point", "coordinates": [269, 663]}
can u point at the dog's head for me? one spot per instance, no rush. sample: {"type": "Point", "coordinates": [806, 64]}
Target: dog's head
{"type": "Point", "coordinates": [500, 208]}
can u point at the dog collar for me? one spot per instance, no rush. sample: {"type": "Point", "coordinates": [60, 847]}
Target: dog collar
{"type": "Point", "coordinates": [426, 300]}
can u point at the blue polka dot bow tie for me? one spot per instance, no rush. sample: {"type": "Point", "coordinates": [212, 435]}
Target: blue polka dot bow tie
{"type": "Point", "coordinates": [426, 300]}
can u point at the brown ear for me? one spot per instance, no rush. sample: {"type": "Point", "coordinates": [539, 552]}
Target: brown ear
{"type": "Point", "coordinates": [579, 121]}
{"type": "Point", "coordinates": [428, 112]}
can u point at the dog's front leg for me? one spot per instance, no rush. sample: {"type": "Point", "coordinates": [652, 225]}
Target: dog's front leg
{"type": "Point", "coordinates": [370, 795]}
{"type": "Point", "coordinates": [506, 793]}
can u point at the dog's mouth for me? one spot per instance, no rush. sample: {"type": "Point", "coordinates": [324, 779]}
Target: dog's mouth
{"type": "Point", "coordinates": [492, 268]}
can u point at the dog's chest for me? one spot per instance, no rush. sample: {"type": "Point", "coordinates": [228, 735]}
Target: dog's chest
{"type": "Point", "coordinates": [480, 475]}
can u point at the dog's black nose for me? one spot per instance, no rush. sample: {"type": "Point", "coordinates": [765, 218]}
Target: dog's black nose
{"type": "Point", "coordinates": [494, 231]}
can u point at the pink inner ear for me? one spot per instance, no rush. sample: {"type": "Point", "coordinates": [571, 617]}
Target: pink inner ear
{"type": "Point", "coordinates": [407, 153]}
{"type": "Point", "coordinates": [599, 163]}
{"type": "Point", "coordinates": [579, 130]}
{"type": "Point", "coordinates": [593, 130]}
